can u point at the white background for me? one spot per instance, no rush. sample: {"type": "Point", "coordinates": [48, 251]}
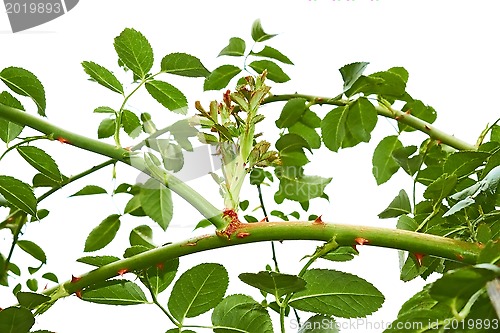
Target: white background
{"type": "Point", "coordinates": [449, 47]}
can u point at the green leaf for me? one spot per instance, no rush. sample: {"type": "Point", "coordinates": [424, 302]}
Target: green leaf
{"type": "Point", "coordinates": [98, 261]}
{"type": "Point", "coordinates": [235, 48]}
{"type": "Point", "coordinates": [24, 83]}
{"type": "Point", "coordinates": [104, 109]}
{"type": "Point", "coordinates": [103, 234]}
{"type": "Point", "coordinates": [307, 133]}
{"type": "Point", "coordinates": [361, 121]}
{"type": "Point", "coordinates": [90, 190]}
{"type": "Point", "coordinates": [333, 128]}
{"type": "Point", "coordinates": [258, 34]}
{"type": "Point", "coordinates": [133, 207]}
{"type": "Point", "coordinates": [338, 294]}
{"type": "Point", "coordinates": [407, 223]}
{"type": "Point", "coordinates": [51, 277]}
{"type": "Point", "coordinates": [291, 113]}
{"type": "Point", "coordinates": [135, 250]}
{"type": "Point", "coordinates": [115, 292]}
{"type": "Point", "coordinates": [464, 162]}
{"type": "Point", "coordinates": [292, 141]}
{"type": "Point", "coordinates": [131, 124]}
{"type": "Point", "coordinates": [220, 77]}
{"type": "Point", "coordinates": [384, 164]}
{"type": "Point", "coordinates": [319, 324]}
{"type": "Point", "coordinates": [183, 64]}
{"type": "Point", "coordinates": [342, 253]}
{"type": "Point", "coordinates": [399, 206]}
{"type": "Point", "coordinates": [274, 283]}
{"type": "Point", "coordinates": [16, 320]}
{"type": "Point", "coordinates": [31, 300]}
{"type": "Point", "coordinates": [401, 71]}
{"type": "Point", "coordinates": [250, 219]}
{"type": "Point", "coordinates": [32, 284]}
{"type": "Point", "coordinates": [310, 119]}
{"type": "Point", "coordinates": [441, 187]}
{"type": "Point", "coordinates": [134, 51]}
{"type": "Point", "coordinates": [9, 130]}
{"type": "Point", "coordinates": [244, 204]}
{"type": "Point", "coordinates": [33, 249]}
{"type": "Point", "coordinates": [142, 235]}
{"type": "Point", "coordinates": [18, 194]}
{"type": "Point", "coordinates": [41, 161]}
{"type": "Point", "coordinates": [106, 128]}
{"type": "Point", "coordinates": [156, 201]}
{"type": "Point", "coordinates": [296, 186]}
{"type": "Point", "coordinates": [161, 275]}
{"type": "Point", "coordinates": [198, 290]}
{"type": "Point", "coordinates": [240, 313]}
{"type": "Point", "coordinates": [351, 73]}
{"type": "Point", "coordinates": [495, 133]}
{"type": "Point", "coordinates": [272, 53]}
{"type": "Point", "coordinates": [102, 76]}
{"type": "Point", "coordinates": [168, 96]}
{"type": "Point", "coordinates": [410, 165]}
{"type": "Point", "coordinates": [419, 110]}
{"type": "Point", "coordinates": [274, 72]}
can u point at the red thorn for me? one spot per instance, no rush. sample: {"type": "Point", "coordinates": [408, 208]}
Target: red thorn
{"type": "Point", "coordinates": [319, 220]}
{"type": "Point", "coordinates": [408, 111]}
{"type": "Point", "coordinates": [122, 271]}
{"type": "Point", "coordinates": [160, 266]}
{"type": "Point", "coordinates": [361, 240]}
{"type": "Point", "coordinates": [427, 128]}
{"type": "Point", "coordinates": [398, 117]}
{"type": "Point", "coordinates": [460, 257]}
{"type": "Point", "coordinates": [75, 279]}
{"type": "Point", "coordinates": [62, 140]}
{"type": "Point", "coordinates": [419, 257]}
{"type": "Point", "coordinates": [46, 286]}
{"type": "Point", "coordinates": [439, 142]}
{"type": "Point", "coordinates": [265, 219]}
{"type": "Point", "coordinates": [79, 294]}
{"type": "Point", "coordinates": [243, 234]}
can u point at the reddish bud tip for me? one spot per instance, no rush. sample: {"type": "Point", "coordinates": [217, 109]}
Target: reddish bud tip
{"type": "Point", "coordinates": [243, 234]}
{"type": "Point", "coordinates": [419, 257]}
{"type": "Point", "coordinates": [361, 240]}
{"type": "Point", "coordinates": [318, 220]}
{"type": "Point", "coordinates": [75, 279]}
{"type": "Point", "coordinates": [62, 140]}
{"type": "Point", "coordinates": [122, 271]}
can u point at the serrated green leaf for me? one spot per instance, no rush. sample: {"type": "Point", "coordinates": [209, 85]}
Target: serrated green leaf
{"type": "Point", "coordinates": [134, 51]}
{"type": "Point", "coordinates": [156, 201]}
{"type": "Point", "coordinates": [98, 261]}
{"type": "Point", "coordinates": [198, 290]}
{"type": "Point", "coordinates": [9, 130]}
{"type": "Point", "coordinates": [106, 128]}
{"type": "Point", "coordinates": [291, 113]}
{"type": "Point", "coordinates": [307, 133]}
{"type": "Point", "coordinates": [410, 165]}
{"type": "Point", "coordinates": [161, 275]}
{"type": "Point", "coordinates": [32, 249]}
{"type": "Point", "coordinates": [40, 180]}
{"type": "Point", "coordinates": [310, 119]}
{"type": "Point", "coordinates": [291, 141]}
{"type": "Point", "coordinates": [336, 293]}
{"type": "Point", "coordinates": [270, 52]}
{"type": "Point", "coordinates": [235, 48]}
{"type": "Point", "coordinates": [51, 277]}
{"type": "Point", "coordinates": [464, 162]}
{"type": "Point", "coordinates": [104, 109]}
{"type": "Point", "coordinates": [103, 234]}
{"type": "Point", "coordinates": [168, 96]}
{"type": "Point", "coordinates": [131, 124]}
{"type": "Point", "coordinates": [407, 223]}
{"type": "Point", "coordinates": [220, 77]}
{"type": "Point", "coordinates": [274, 72]}
{"type": "Point", "coordinates": [441, 187]}
{"type": "Point", "coordinates": [401, 71]}
{"type": "Point", "coordinates": [296, 186]}
{"type": "Point", "coordinates": [41, 161]}
{"type": "Point", "coordinates": [384, 164]}
{"type": "Point", "coordinates": [399, 205]}
{"type": "Point", "coordinates": [18, 194]}
{"type": "Point", "coordinates": [240, 313]}
{"type": "Point", "coordinates": [133, 207]}
{"type": "Point", "coordinates": [250, 219]}
{"type": "Point", "coordinates": [244, 204]}
{"type": "Point", "coordinates": [135, 250]}
{"type": "Point", "coordinates": [32, 284]}
{"type": "Point", "coordinates": [258, 34]}
{"type": "Point", "coordinates": [351, 73]}
{"type": "Point", "coordinates": [361, 120]}
{"type": "Point", "coordinates": [419, 110]}
{"type": "Point", "coordinates": [114, 292]}
{"type": "Point", "coordinates": [274, 283]}
{"type": "Point", "coordinates": [16, 320]}
{"type": "Point", "coordinates": [342, 253]}
{"type": "Point", "coordinates": [333, 128]}
{"type": "Point", "coordinates": [103, 76]}
{"type": "Point", "coordinates": [24, 83]}
{"type": "Point", "coordinates": [90, 190]}
{"type": "Point", "coordinates": [495, 133]}
{"type": "Point", "coordinates": [31, 300]}
{"type": "Point", "coordinates": [319, 324]}
{"type": "Point", "coordinates": [142, 235]}
{"type": "Point", "coordinates": [183, 64]}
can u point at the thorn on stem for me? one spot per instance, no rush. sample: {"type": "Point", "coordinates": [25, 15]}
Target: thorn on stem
{"type": "Point", "coordinates": [75, 279]}
{"type": "Point", "coordinates": [419, 257]}
{"type": "Point", "coordinates": [361, 240]}
{"type": "Point", "coordinates": [122, 271]}
{"type": "Point", "coordinates": [62, 140]}
{"type": "Point", "coordinates": [243, 234]}
{"type": "Point", "coordinates": [319, 221]}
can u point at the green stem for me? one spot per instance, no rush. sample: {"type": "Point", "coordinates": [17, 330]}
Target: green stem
{"type": "Point", "coordinates": [263, 207]}
{"type": "Point", "coordinates": [22, 143]}
{"type": "Point", "coordinates": [199, 202]}
{"type": "Point", "coordinates": [157, 303]}
{"type": "Point", "coordinates": [344, 235]}
{"type": "Point", "coordinates": [389, 112]}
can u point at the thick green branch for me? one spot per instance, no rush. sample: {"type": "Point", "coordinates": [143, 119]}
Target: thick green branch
{"type": "Point", "coordinates": [388, 112]}
{"type": "Point", "coordinates": [119, 154]}
{"type": "Point", "coordinates": [344, 235]}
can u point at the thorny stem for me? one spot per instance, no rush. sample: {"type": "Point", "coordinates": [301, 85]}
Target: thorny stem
{"type": "Point", "coordinates": [263, 207]}
{"type": "Point", "coordinates": [385, 111]}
